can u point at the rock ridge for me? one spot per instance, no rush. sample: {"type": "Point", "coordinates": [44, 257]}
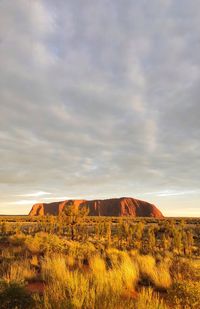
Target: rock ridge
{"type": "Point", "coordinates": [115, 207]}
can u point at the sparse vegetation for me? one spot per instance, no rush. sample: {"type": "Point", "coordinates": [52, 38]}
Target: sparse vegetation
{"type": "Point", "coordinates": [109, 263]}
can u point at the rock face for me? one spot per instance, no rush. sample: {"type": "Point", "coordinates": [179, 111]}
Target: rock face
{"type": "Point", "coordinates": [115, 207]}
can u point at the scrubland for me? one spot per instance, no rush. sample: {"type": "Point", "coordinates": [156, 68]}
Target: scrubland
{"type": "Point", "coordinates": [109, 263]}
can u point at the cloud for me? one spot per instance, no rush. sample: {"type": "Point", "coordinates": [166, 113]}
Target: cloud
{"type": "Point", "coordinates": [172, 193]}
{"type": "Point", "coordinates": [36, 194]}
{"type": "Point", "coordinates": [100, 99]}
{"type": "Point", "coordinates": [23, 202]}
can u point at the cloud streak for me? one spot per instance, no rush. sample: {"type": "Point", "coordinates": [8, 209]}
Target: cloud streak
{"type": "Point", "coordinates": [36, 194]}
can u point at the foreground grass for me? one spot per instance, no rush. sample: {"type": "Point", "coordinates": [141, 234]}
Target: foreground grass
{"type": "Point", "coordinates": [94, 273]}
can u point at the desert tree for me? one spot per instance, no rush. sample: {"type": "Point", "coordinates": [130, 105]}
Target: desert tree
{"type": "Point", "coordinates": [61, 223]}
{"type": "Point", "coordinates": [177, 240]}
{"type": "Point", "coordinates": [151, 239]}
{"type": "Point", "coordinates": [99, 230]}
{"type": "Point", "coordinates": [137, 234]}
{"type": "Point", "coordinates": [188, 242]}
{"type": "Point", "coordinates": [73, 215]}
{"type": "Point", "coordinates": [4, 228]}
{"type": "Point", "coordinates": [165, 242]}
{"type": "Point", "coordinates": [108, 232]}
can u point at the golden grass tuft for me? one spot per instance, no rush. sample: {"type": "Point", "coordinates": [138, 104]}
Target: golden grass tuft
{"type": "Point", "coordinates": [34, 260]}
{"type": "Point", "coordinates": [64, 287]}
{"type": "Point", "coordinates": [148, 299]}
{"type": "Point", "coordinates": [97, 265]}
{"type": "Point", "coordinates": [70, 261]}
{"type": "Point", "coordinates": [158, 275]}
{"type": "Point", "coordinates": [19, 271]}
{"type": "Point", "coordinates": [121, 276]}
{"type": "Point", "coordinates": [54, 268]}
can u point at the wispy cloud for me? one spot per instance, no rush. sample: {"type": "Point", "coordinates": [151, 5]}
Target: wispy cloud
{"type": "Point", "coordinates": [35, 194]}
{"type": "Point", "coordinates": [99, 101]}
{"type": "Point", "coordinates": [171, 193]}
{"type": "Point", "coordinates": [23, 202]}
{"type": "Point", "coordinates": [59, 198]}
{"type": "Point", "coordinates": [177, 193]}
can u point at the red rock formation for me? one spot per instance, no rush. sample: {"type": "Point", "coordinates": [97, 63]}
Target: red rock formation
{"type": "Point", "coordinates": [115, 207]}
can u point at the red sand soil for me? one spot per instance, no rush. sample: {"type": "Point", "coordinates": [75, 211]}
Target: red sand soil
{"type": "Point", "coordinates": [130, 294]}
{"type": "Point", "coordinates": [36, 287]}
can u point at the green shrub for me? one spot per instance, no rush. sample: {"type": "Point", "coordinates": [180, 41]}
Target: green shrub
{"type": "Point", "coordinates": [44, 242]}
{"type": "Point", "coordinates": [15, 296]}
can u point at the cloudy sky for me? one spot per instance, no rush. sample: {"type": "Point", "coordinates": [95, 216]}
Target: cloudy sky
{"type": "Point", "coordinates": [100, 99]}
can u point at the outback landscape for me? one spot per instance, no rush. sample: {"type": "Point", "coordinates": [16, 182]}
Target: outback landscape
{"type": "Point", "coordinates": [62, 257]}
{"type": "Point", "coordinates": [99, 154]}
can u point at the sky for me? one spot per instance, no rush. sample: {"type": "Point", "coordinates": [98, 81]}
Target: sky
{"type": "Point", "coordinates": [100, 99]}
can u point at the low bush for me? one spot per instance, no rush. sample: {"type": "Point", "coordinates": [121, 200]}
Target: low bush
{"type": "Point", "coordinates": [17, 239]}
{"type": "Point", "coordinates": [15, 296]}
{"type": "Point", "coordinates": [182, 269]}
{"type": "Point", "coordinates": [185, 294]}
{"type": "Point", "coordinates": [44, 242]}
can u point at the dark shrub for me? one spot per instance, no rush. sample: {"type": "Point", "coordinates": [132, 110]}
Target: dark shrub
{"type": "Point", "coordinates": [15, 296]}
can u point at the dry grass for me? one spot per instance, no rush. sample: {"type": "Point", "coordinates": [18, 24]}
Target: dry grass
{"type": "Point", "coordinates": [149, 300]}
{"type": "Point", "coordinates": [87, 274]}
{"type": "Point", "coordinates": [65, 287]}
{"type": "Point", "coordinates": [158, 275]}
{"type": "Point", "coordinates": [129, 272]}
{"type": "Point", "coordinates": [97, 265]}
{"type": "Point", "coordinates": [54, 296]}
{"type": "Point", "coordinates": [185, 294]}
{"type": "Point", "coordinates": [77, 287]}
{"type": "Point", "coordinates": [19, 271]}
{"type": "Point", "coordinates": [90, 288]}
{"type": "Point", "coordinates": [54, 268]}
{"type": "Point", "coordinates": [34, 260]}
